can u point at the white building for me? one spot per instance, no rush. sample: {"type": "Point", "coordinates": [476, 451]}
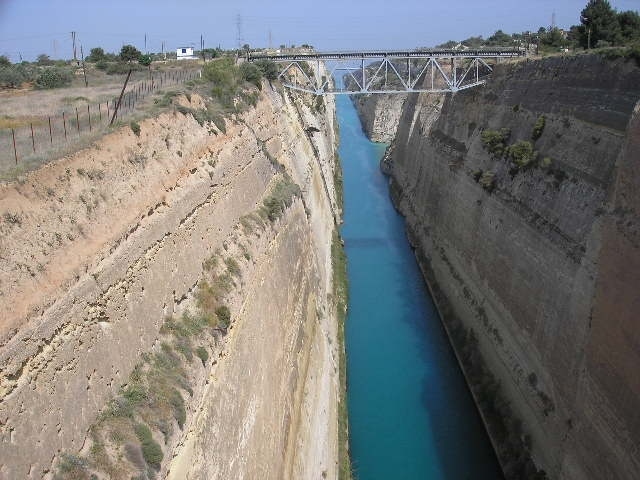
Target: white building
{"type": "Point", "coordinates": [185, 53]}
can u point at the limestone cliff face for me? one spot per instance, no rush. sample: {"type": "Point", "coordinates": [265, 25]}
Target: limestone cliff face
{"type": "Point", "coordinates": [380, 115]}
{"type": "Point", "coordinates": [539, 260]}
{"type": "Point", "coordinates": [99, 248]}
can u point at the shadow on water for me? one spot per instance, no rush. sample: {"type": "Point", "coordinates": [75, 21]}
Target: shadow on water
{"type": "Point", "coordinates": [411, 414]}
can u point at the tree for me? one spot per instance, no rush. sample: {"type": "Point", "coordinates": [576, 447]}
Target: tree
{"type": "Point", "coordinates": [130, 54]}
{"type": "Point", "coordinates": [599, 24]}
{"type": "Point", "coordinates": [500, 38]}
{"type": "Point", "coordinates": [553, 38]}
{"type": "Point", "coordinates": [145, 60]}
{"type": "Point", "coordinates": [629, 25]}
{"type": "Point", "coordinates": [4, 61]}
{"type": "Point", "coordinates": [43, 59]}
{"type": "Point", "coordinates": [473, 42]}
{"type": "Point", "coordinates": [96, 55]}
{"type": "Point", "coordinates": [268, 68]}
{"type": "Point", "coordinates": [211, 52]}
{"type": "Point", "coordinates": [448, 44]}
{"type": "Point", "coordinates": [251, 73]}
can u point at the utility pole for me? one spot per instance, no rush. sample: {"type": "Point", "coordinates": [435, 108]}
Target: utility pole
{"type": "Point", "coordinates": [145, 44]}
{"type": "Point", "coordinates": [163, 54]}
{"type": "Point", "coordinates": [73, 40]}
{"type": "Point", "coordinates": [270, 39]}
{"type": "Point", "coordinates": [84, 71]}
{"type": "Point", "coordinates": [202, 48]}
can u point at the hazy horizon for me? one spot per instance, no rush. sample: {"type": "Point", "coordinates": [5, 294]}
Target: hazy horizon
{"type": "Point", "coordinates": [29, 28]}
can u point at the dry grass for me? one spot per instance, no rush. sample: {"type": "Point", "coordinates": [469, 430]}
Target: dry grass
{"type": "Point", "coordinates": [7, 122]}
{"type": "Point", "coordinates": [21, 109]}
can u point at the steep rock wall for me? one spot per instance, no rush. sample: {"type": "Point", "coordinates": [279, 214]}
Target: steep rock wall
{"type": "Point", "coordinates": [380, 115]}
{"type": "Point", "coordinates": [99, 247]}
{"type": "Point", "coordinates": [539, 261]}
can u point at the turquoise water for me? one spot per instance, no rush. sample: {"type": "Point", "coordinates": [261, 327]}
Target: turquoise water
{"type": "Point", "coordinates": [411, 415]}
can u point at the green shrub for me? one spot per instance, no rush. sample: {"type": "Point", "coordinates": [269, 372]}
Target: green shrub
{"type": "Point", "coordinates": [225, 76]}
{"type": "Point", "coordinates": [218, 121]}
{"type": "Point", "coordinates": [224, 315]}
{"type": "Point", "coordinates": [135, 394]}
{"type": "Point", "coordinates": [72, 466]}
{"type": "Point", "coordinates": [538, 128]}
{"type": "Point", "coordinates": [135, 128]}
{"type": "Point", "coordinates": [202, 354]}
{"type": "Point", "coordinates": [177, 404]}
{"type": "Point", "coordinates": [521, 153]}
{"type": "Point", "coordinates": [53, 77]}
{"type": "Point", "coordinates": [151, 450]}
{"type": "Point", "coordinates": [280, 199]}
{"type": "Point", "coordinates": [251, 73]}
{"type": "Point", "coordinates": [232, 267]}
{"type": "Point", "coordinates": [12, 76]}
{"type": "Point", "coordinates": [546, 163]}
{"type": "Point", "coordinates": [487, 181]}
{"type": "Point", "coordinates": [495, 141]}
{"type": "Point", "coordinates": [268, 68]}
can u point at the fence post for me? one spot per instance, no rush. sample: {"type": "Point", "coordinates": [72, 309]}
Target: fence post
{"type": "Point", "coordinates": [15, 152]}
{"type": "Point", "coordinates": [78, 120]}
{"type": "Point", "coordinates": [50, 132]}
{"type": "Point", "coordinates": [89, 115]}
{"type": "Point", "coordinates": [64, 122]}
{"type": "Point", "coordinates": [33, 141]}
{"type": "Point", "coordinates": [100, 112]}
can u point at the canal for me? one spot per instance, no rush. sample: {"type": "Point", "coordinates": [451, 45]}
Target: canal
{"type": "Point", "coordinates": [411, 415]}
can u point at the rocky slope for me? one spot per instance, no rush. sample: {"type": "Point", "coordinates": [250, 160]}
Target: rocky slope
{"type": "Point", "coordinates": [521, 201]}
{"type": "Point", "coordinates": [102, 249]}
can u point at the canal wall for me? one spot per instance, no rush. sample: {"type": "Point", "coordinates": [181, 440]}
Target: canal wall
{"type": "Point", "coordinates": [168, 304]}
{"type": "Point", "coordinates": [521, 202]}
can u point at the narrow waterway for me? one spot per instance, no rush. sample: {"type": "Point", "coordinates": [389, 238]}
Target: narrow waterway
{"type": "Point", "coordinates": [411, 415]}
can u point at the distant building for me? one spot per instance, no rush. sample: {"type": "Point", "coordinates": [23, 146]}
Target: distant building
{"type": "Point", "coordinates": [185, 53]}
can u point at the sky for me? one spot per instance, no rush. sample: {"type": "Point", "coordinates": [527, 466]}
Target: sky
{"type": "Point", "coordinates": [31, 27]}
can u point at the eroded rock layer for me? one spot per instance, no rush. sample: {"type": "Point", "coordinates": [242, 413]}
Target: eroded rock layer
{"type": "Point", "coordinates": [99, 248]}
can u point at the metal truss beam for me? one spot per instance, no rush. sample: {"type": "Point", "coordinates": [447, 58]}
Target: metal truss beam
{"type": "Point", "coordinates": [431, 71]}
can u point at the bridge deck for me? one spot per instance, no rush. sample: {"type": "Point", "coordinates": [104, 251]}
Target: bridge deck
{"type": "Point", "coordinates": [431, 53]}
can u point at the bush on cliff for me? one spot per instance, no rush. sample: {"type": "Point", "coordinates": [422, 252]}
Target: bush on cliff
{"type": "Point", "coordinates": [521, 153]}
{"type": "Point", "coordinates": [151, 450]}
{"type": "Point", "coordinates": [495, 141]}
{"type": "Point", "coordinates": [280, 199]}
{"type": "Point", "coordinates": [251, 73]}
{"type": "Point", "coordinates": [538, 128]}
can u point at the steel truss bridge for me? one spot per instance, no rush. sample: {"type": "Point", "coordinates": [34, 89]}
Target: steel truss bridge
{"type": "Point", "coordinates": [429, 71]}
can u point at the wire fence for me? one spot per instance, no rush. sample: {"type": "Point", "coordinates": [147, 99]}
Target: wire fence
{"type": "Point", "coordinates": [46, 137]}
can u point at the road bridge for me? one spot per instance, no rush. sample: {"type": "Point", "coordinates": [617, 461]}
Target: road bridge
{"type": "Point", "coordinates": [397, 71]}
